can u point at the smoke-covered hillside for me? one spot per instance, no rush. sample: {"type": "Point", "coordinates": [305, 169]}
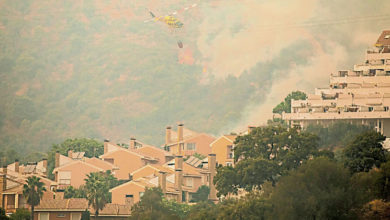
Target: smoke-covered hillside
{"type": "Point", "coordinates": [94, 69]}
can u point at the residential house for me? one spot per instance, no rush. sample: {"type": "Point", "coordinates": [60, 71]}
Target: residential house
{"type": "Point", "coordinates": [186, 142]}
{"type": "Point", "coordinates": [11, 189]}
{"type": "Point", "coordinates": [64, 209]}
{"type": "Point", "coordinates": [222, 147]}
{"type": "Point", "coordinates": [178, 180]}
{"type": "Point", "coordinates": [150, 170]}
{"type": "Point", "coordinates": [113, 211]}
{"type": "Point", "coordinates": [150, 151]}
{"type": "Point", "coordinates": [126, 160]}
{"type": "Point", "coordinates": [73, 170]}
{"type": "Point", "coordinates": [74, 173]}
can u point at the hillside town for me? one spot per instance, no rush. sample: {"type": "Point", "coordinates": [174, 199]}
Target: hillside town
{"type": "Point", "coordinates": [186, 161]}
{"type": "Point", "coordinates": [189, 160]}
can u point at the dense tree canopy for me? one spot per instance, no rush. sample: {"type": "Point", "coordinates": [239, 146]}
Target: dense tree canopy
{"type": "Point", "coordinates": [320, 189]}
{"type": "Point", "coordinates": [264, 155]}
{"type": "Point", "coordinates": [151, 206]}
{"type": "Point", "coordinates": [21, 214]}
{"type": "Point", "coordinates": [364, 152]}
{"type": "Point", "coordinates": [202, 194]}
{"type": "Point", "coordinates": [337, 134]}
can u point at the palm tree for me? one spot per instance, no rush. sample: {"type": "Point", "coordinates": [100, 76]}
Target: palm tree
{"type": "Point", "coordinates": [97, 191]}
{"type": "Point", "coordinates": [33, 192]}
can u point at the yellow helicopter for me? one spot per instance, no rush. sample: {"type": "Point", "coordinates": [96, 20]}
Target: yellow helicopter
{"type": "Point", "coordinates": [173, 23]}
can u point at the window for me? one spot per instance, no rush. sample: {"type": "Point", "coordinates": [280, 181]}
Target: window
{"type": "Point", "coordinates": [189, 182]}
{"type": "Point", "coordinates": [75, 216]}
{"type": "Point", "coordinates": [387, 36]}
{"type": "Point", "coordinates": [64, 177]}
{"type": "Point", "coordinates": [229, 164]}
{"type": "Point", "coordinates": [229, 151]}
{"type": "Point", "coordinates": [191, 146]}
{"type": "Point", "coordinates": [43, 216]}
{"type": "Point", "coordinates": [61, 215]}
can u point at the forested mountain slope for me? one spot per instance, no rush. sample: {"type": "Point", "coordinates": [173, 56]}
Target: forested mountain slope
{"type": "Point", "coordinates": [94, 69]}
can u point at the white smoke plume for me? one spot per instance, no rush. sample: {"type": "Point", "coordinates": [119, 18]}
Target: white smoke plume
{"type": "Point", "coordinates": [237, 35]}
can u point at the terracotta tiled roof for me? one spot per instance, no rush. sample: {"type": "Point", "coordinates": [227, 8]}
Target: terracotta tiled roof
{"type": "Point", "coordinates": [153, 151]}
{"type": "Point", "coordinates": [114, 210]}
{"type": "Point", "coordinates": [231, 137]}
{"type": "Point", "coordinates": [15, 189]}
{"type": "Point", "coordinates": [62, 204]}
{"type": "Point", "coordinates": [74, 162]}
{"type": "Point", "coordinates": [163, 168]}
{"type": "Point", "coordinates": [130, 152]}
{"type": "Point", "coordinates": [174, 141]}
{"type": "Point", "coordinates": [384, 39]}
{"type": "Point", "coordinates": [100, 163]}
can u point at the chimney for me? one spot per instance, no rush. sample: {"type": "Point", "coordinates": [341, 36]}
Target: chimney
{"type": "Point", "coordinates": [132, 143]}
{"type": "Point", "coordinates": [5, 171]}
{"type": "Point", "coordinates": [5, 176]}
{"type": "Point", "coordinates": [106, 145]}
{"type": "Point", "coordinates": [3, 186]}
{"type": "Point", "coordinates": [179, 183]}
{"type": "Point", "coordinates": [57, 160]}
{"type": "Point", "coordinates": [212, 166]}
{"type": "Point", "coordinates": [70, 154]}
{"type": "Point", "coordinates": [129, 200]}
{"type": "Point", "coordinates": [179, 138]}
{"type": "Point", "coordinates": [44, 162]}
{"type": "Point", "coordinates": [59, 194]}
{"type": "Point", "coordinates": [16, 166]}
{"type": "Point", "coordinates": [179, 162]}
{"type": "Point", "coordinates": [168, 130]}
{"type": "Point", "coordinates": [162, 181]}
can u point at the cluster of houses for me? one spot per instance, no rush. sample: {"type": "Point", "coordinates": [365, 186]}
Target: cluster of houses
{"type": "Point", "coordinates": [176, 167]}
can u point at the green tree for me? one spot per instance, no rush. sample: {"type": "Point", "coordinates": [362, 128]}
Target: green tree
{"type": "Point", "coordinates": [21, 214]}
{"type": "Point", "coordinates": [252, 206]}
{"type": "Point", "coordinates": [383, 182]}
{"type": "Point", "coordinates": [285, 106]}
{"type": "Point", "coordinates": [264, 155]}
{"type": "Point", "coordinates": [33, 192]}
{"type": "Point", "coordinates": [337, 134]}
{"type": "Point", "coordinates": [226, 180]}
{"type": "Point", "coordinates": [319, 189]}
{"type": "Point", "coordinates": [203, 210]}
{"type": "Point", "coordinates": [97, 191]}
{"type": "Point", "coordinates": [179, 209]}
{"type": "Point", "coordinates": [364, 152]}
{"type": "Point", "coordinates": [151, 206]}
{"type": "Point", "coordinates": [85, 215]}
{"type": "Point", "coordinates": [202, 194]}
{"type": "Point", "coordinates": [71, 192]}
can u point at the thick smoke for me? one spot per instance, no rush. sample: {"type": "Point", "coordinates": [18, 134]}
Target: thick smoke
{"type": "Point", "coordinates": [235, 36]}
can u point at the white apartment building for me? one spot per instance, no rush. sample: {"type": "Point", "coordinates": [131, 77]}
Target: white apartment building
{"type": "Point", "coordinates": [361, 95]}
